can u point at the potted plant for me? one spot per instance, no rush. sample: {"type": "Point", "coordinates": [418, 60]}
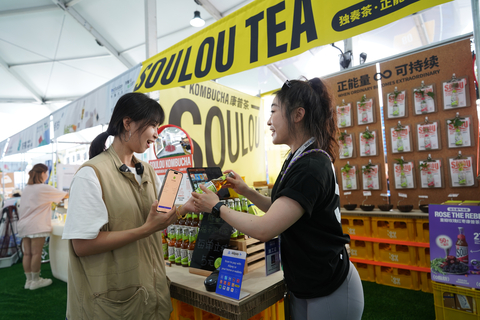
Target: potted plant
{"type": "Point", "coordinates": [367, 135]}
{"type": "Point", "coordinates": [343, 141]}
{"type": "Point", "coordinates": [399, 128]}
{"type": "Point", "coordinates": [457, 123]}
{"type": "Point", "coordinates": [403, 178]}
{"type": "Point", "coordinates": [423, 103]}
{"type": "Point", "coordinates": [343, 119]}
{"type": "Point", "coordinates": [363, 102]}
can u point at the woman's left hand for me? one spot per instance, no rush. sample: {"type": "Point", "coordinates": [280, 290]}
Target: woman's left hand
{"type": "Point", "coordinates": [189, 205]}
{"type": "Point", "coordinates": [206, 201]}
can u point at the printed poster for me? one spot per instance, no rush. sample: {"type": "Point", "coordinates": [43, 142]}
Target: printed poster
{"type": "Point", "coordinates": [461, 172]}
{"type": "Point", "coordinates": [427, 135]}
{"type": "Point", "coordinates": [455, 244]}
{"type": "Point", "coordinates": [371, 179]}
{"type": "Point", "coordinates": [344, 115]}
{"type": "Point", "coordinates": [365, 112]}
{"type": "Point", "coordinates": [396, 105]}
{"type": "Point", "coordinates": [346, 147]}
{"type": "Point", "coordinates": [459, 136]}
{"type": "Point", "coordinates": [431, 176]}
{"type": "Point", "coordinates": [368, 147]}
{"type": "Point", "coordinates": [34, 136]}
{"type": "Point", "coordinates": [400, 140]}
{"type": "Point", "coordinates": [349, 181]}
{"type": "Point", "coordinates": [423, 103]}
{"type": "Point", "coordinates": [404, 176]}
{"type": "Point", "coordinates": [454, 94]}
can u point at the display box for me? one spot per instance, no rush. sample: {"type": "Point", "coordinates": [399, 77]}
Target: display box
{"type": "Point", "coordinates": [449, 300]}
{"type": "Point", "coordinates": [455, 244]}
{"type": "Point", "coordinates": [361, 249]}
{"type": "Point", "coordinates": [422, 230]}
{"type": "Point", "coordinates": [393, 228]}
{"type": "Point", "coordinates": [446, 302]}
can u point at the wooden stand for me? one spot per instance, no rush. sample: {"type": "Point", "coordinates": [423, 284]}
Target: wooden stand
{"type": "Point", "coordinates": [255, 250]}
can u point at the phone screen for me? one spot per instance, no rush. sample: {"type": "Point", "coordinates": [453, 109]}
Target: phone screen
{"type": "Point", "coordinates": [168, 194]}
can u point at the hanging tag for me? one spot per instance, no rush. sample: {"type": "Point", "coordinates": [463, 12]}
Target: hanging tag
{"type": "Point", "coordinates": [347, 193]}
{"type": "Point", "coordinates": [423, 197]}
{"type": "Point", "coordinates": [453, 195]}
{"type": "Point", "coordinates": [367, 193]}
{"type": "Point", "coordinates": [402, 195]}
{"type": "Point", "coordinates": [384, 195]}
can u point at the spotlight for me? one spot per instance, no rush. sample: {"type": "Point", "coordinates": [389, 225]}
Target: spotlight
{"type": "Point", "coordinates": [197, 21]}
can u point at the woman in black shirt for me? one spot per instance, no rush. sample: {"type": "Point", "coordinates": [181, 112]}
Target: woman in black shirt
{"type": "Point", "coordinates": [304, 208]}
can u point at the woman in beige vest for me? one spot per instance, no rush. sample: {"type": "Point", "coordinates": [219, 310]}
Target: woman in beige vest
{"type": "Point", "coordinates": [116, 266]}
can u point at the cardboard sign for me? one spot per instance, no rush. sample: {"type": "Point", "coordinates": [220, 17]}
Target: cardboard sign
{"type": "Point", "coordinates": [272, 256]}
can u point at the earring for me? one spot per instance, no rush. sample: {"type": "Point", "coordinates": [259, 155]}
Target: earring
{"type": "Point", "coordinates": [129, 136]}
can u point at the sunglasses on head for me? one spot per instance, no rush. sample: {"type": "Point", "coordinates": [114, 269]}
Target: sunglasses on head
{"type": "Point", "coordinates": [286, 85]}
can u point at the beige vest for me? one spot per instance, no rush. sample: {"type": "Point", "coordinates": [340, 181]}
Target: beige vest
{"type": "Point", "coordinates": [129, 282]}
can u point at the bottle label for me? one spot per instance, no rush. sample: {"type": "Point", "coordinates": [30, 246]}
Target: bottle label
{"type": "Point", "coordinates": [190, 255]}
{"type": "Point", "coordinates": [209, 185]}
{"type": "Point", "coordinates": [462, 253]}
{"type": "Point", "coordinates": [178, 255]}
{"type": "Point", "coordinates": [165, 250]}
{"type": "Point", "coordinates": [171, 254]}
{"type": "Point", "coordinates": [184, 255]}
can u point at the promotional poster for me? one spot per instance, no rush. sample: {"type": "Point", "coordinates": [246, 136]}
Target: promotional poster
{"type": "Point", "coordinates": [455, 244]}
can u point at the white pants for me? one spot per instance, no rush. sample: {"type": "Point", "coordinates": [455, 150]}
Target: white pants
{"type": "Point", "coordinates": [345, 303]}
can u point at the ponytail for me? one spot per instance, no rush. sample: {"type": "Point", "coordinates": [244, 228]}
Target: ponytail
{"type": "Point", "coordinates": [98, 144]}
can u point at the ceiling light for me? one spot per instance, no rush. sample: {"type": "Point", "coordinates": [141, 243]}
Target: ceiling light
{"type": "Point", "coordinates": [197, 21]}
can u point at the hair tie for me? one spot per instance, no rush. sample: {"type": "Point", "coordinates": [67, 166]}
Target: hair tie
{"type": "Point", "coordinates": [109, 133]}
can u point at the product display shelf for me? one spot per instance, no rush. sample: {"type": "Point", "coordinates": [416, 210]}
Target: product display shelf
{"type": "Point", "coordinates": [263, 292]}
{"type": "Point", "coordinates": [455, 303]}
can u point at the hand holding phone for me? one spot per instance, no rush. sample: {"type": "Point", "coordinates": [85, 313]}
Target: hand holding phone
{"type": "Point", "coordinates": [169, 191]}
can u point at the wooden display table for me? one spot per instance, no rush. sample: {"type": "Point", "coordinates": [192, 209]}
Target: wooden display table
{"type": "Point", "coordinates": [414, 214]}
{"type": "Point", "coordinates": [263, 292]}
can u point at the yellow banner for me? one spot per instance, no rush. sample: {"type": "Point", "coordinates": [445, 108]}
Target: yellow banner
{"type": "Point", "coordinates": [226, 126]}
{"type": "Point", "coordinates": [267, 31]}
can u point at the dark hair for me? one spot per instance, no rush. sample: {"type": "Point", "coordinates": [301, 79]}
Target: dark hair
{"type": "Point", "coordinates": [36, 173]}
{"type": "Point", "coordinates": [320, 120]}
{"type": "Point", "coordinates": [136, 106]}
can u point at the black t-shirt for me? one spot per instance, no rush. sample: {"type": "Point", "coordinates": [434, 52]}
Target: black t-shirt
{"type": "Point", "coordinates": [314, 258]}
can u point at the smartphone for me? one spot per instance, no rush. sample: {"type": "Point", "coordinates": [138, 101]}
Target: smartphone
{"type": "Point", "coordinates": [168, 193]}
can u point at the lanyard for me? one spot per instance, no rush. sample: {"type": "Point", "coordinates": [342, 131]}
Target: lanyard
{"type": "Point", "coordinates": [299, 153]}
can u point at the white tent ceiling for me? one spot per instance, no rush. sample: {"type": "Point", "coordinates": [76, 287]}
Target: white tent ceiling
{"type": "Point", "coordinates": [54, 51]}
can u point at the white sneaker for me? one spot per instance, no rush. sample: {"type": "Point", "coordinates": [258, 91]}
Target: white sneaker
{"type": "Point", "coordinates": [40, 283]}
{"type": "Point", "coordinates": [28, 284]}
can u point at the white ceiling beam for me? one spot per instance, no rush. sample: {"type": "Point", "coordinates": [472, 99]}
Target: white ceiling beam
{"type": "Point", "coordinates": [46, 102]}
{"type": "Point", "coordinates": [60, 60]}
{"type": "Point", "coordinates": [72, 3]}
{"type": "Point", "coordinates": [277, 72]}
{"type": "Point", "coordinates": [210, 8]}
{"type": "Point", "coordinates": [15, 12]}
{"type": "Point", "coordinates": [24, 83]}
{"type": "Point", "coordinates": [87, 26]}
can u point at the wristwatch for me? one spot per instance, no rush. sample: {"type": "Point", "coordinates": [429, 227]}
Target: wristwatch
{"type": "Point", "coordinates": [216, 209]}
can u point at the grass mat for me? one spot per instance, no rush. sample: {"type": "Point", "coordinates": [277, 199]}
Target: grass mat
{"type": "Point", "coordinates": [49, 303]}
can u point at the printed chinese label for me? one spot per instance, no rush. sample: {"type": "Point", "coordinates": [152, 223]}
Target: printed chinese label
{"type": "Point", "coordinates": [427, 135]}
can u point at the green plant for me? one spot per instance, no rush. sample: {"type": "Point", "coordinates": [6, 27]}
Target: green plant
{"type": "Point", "coordinates": [422, 93]}
{"type": "Point", "coordinates": [342, 136]}
{"type": "Point", "coordinates": [401, 162]}
{"type": "Point", "coordinates": [367, 134]}
{"type": "Point", "coordinates": [423, 166]}
{"type": "Point", "coordinates": [368, 168]}
{"type": "Point", "coordinates": [456, 122]}
{"type": "Point", "coordinates": [346, 168]}
{"type": "Point", "coordinates": [363, 101]}
{"type": "Point", "coordinates": [454, 85]}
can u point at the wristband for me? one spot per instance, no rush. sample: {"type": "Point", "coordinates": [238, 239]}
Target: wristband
{"type": "Point", "coordinates": [178, 213]}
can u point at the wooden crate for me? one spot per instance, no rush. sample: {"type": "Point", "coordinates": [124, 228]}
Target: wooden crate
{"type": "Point", "coordinates": [255, 250]}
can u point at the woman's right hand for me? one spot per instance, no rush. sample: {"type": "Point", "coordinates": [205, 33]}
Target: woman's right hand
{"type": "Point", "coordinates": [237, 183]}
{"type": "Point", "coordinates": [157, 221]}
